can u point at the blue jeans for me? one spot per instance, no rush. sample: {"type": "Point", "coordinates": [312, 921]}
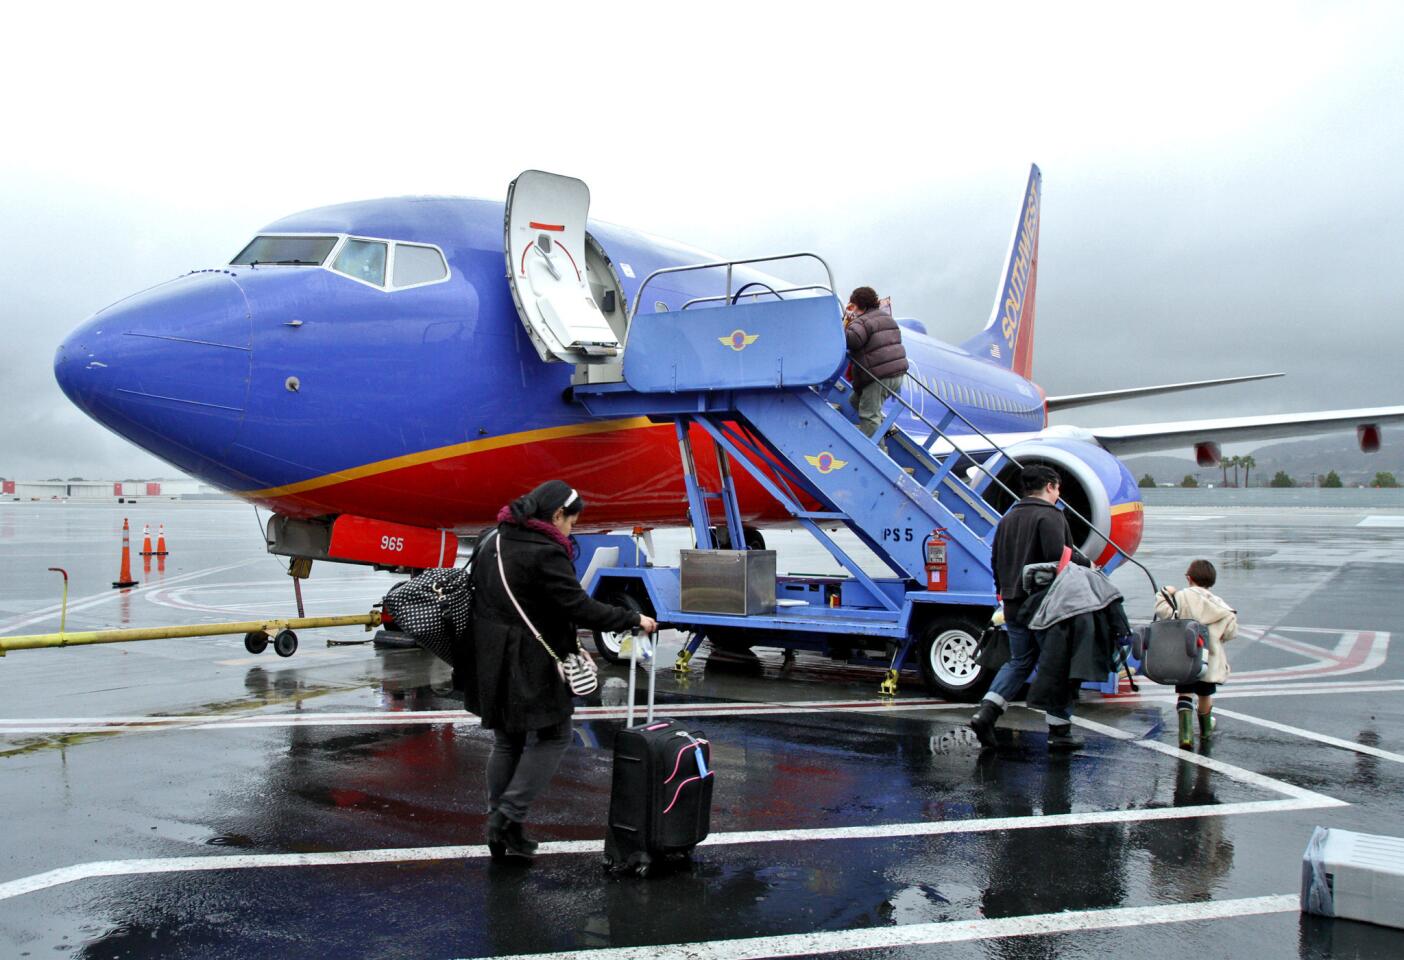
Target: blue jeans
{"type": "Point", "coordinates": [1024, 645]}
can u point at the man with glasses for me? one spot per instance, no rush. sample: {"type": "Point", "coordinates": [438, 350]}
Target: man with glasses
{"type": "Point", "coordinates": [1033, 531]}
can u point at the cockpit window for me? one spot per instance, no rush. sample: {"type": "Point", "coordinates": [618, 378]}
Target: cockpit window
{"type": "Point", "coordinates": [286, 251]}
{"type": "Point", "coordinates": [362, 260]}
{"type": "Point", "coordinates": [416, 264]}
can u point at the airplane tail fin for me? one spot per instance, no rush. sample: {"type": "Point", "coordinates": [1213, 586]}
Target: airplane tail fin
{"type": "Point", "coordinates": [1007, 339]}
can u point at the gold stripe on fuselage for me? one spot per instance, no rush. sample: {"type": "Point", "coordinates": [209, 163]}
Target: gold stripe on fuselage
{"type": "Point", "coordinates": [447, 453]}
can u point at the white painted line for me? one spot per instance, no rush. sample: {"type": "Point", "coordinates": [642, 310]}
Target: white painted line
{"type": "Point", "coordinates": [1312, 735]}
{"type": "Point", "coordinates": [1218, 766]}
{"type": "Point", "coordinates": [457, 717]}
{"type": "Point", "coordinates": [1382, 521]}
{"type": "Point", "coordinates": [1298, 799]}
{"type": "Point", "coordinates": [1154, 693]}
{"type": "Point", "coordinates": [951, 931]}
{"type": "Point", "coordinates": [891, 831]}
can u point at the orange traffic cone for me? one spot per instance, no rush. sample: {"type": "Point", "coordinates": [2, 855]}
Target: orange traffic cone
{"type": "Point", "coordinates": [124, 578]}
{"type": "Point", "coordinates": [146, 540]}
{"type": "Point", "coordinates": [161, 540]}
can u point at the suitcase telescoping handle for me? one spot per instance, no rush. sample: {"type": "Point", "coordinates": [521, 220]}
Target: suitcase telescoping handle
{"type": "Point", "coordinates": [652, 674]}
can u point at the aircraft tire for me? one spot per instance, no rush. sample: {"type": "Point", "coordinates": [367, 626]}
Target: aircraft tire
{"type": "Point", "coordinates": [608, 643]}
{"type": "Point", "coordinates": [285, 643]}
{"type": "Point", "coordinates": [945, 651]}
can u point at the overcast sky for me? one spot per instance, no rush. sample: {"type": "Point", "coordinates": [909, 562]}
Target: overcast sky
{"type": "Point", "coordinates": [1222, 181]}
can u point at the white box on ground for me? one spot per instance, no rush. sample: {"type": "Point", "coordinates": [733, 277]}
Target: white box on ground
{"type": "Point", "coordinates": [1354, 876]}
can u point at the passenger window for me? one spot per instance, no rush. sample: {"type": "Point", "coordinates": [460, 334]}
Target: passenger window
{"type": "Point", "coordinates": [414, 264]}
{"type": "Point", "coordinates": [363, 260]}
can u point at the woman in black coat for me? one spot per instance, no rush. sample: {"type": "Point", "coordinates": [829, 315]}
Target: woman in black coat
{"type": "Point", "coordinates": [515, 684]}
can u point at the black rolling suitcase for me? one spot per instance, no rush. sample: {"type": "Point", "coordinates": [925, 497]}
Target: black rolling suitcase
{"type": "Point", "coordinates": [660, 805]}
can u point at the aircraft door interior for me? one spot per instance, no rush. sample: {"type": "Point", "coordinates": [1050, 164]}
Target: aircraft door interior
{"type": "Point", "coordinates": [559, 277]}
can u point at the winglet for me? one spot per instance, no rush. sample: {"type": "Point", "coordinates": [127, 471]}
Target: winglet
{"type": "Point", "coordinates": [1007, 339]}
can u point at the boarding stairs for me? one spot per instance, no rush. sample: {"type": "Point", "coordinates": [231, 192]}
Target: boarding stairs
{"type": "Point", "coordinates": [763, 380]}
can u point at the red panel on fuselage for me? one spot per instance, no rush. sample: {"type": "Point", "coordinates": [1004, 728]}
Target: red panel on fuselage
{"type": "Point", "coordinates": [627, 477]}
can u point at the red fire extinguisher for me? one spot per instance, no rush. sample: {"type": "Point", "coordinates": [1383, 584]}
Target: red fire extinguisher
{"type": "Point", "coordinates": [936, 568]}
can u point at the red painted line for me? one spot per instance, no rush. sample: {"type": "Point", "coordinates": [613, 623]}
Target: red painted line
{"type": "Point", "coordinates": [553, 227]}
{"type": "Point", "coordinates": [1364, 645]}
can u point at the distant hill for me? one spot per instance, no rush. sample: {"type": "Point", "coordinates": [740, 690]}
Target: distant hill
{"type": "Point", "coordinates": [1301, 459]}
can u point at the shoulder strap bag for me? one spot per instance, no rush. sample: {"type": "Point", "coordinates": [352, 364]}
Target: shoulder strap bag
{"type": "Point", "coordinates": [578, 670]}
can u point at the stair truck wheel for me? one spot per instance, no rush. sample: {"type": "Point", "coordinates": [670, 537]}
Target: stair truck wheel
{"type": "Point", "coordinates": [608, 643]}
{"type": "Point", "coordinates": [736, 642]}
{"type": "Point", "coordinates": [946, 652]}
{"type": "Point", "coordinates": [755, 540]}
{"type": "Point", "coordinates": [285, 643]}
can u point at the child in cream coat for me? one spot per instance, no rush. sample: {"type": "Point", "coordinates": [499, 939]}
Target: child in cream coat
{"type": "Point", "coordinates": [1195, 602]}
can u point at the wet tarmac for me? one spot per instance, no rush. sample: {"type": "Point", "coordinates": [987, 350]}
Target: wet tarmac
{"type": "Point", "coordinates": [184, 798]}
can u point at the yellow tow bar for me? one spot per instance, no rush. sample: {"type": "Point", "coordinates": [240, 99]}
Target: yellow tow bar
{"type": "Point", "coordinates": [256, 633]}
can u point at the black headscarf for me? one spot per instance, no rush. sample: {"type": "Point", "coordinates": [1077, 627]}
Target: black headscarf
{"type": "Point", "coordinates": [543, 502]}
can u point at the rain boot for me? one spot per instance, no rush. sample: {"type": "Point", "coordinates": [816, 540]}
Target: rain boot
{"type": "Point", "coordinates": [983, 723]}
{"type": "Point", "coordinates": [1206, 725]}
{"type": "Point", "coordinates": [1186, 729]}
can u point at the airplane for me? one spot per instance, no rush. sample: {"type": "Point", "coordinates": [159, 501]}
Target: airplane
{"type": "Point", "coordinates": [384, 375]}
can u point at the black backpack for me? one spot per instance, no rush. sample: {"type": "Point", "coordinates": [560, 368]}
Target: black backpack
{"type": "Point", "coordinates": [1171, 651]}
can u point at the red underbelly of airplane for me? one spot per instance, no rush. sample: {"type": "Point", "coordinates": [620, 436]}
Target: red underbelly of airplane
{"type": "Point", "coordinates": [629, 473]}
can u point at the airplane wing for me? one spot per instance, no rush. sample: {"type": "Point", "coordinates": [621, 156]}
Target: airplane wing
{"type": "Point", "coordinates": [1149, 437]}
{"type": "Point", "coordinates": [1110, 396]}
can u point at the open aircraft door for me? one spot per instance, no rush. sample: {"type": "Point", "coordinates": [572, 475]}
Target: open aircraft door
{"type": "Point", "coordinates": [546, 268]}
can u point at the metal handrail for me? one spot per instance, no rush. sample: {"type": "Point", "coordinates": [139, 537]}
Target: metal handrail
{"type": "Point", "coordinates": [956, 451]}
{"type": "Point", "coordinates": [730, 265]}
{"type": "Point", "coordinates": [768, 289]}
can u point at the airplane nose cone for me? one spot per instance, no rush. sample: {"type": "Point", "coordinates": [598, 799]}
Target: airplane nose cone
{"type": "Point", "coordinates": [167, 368]}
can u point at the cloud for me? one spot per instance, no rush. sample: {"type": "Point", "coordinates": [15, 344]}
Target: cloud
{"type": "Point", "coordinates": [1217, 201]}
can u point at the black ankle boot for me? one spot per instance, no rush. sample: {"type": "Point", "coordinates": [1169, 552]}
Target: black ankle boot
{"type": "Point", "coordinates": [1061, 738]}
{"type": "Point", "coordinates": [497, 834]}
{"type": "Point", "coordinates": [517, 838]}
{"type": "Point", "coordinates": [983, 723]}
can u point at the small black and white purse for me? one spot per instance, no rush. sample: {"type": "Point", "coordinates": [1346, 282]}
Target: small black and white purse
{"type": "Point", "coordinates": [577, 670]}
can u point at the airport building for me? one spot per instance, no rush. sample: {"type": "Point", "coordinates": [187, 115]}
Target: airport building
{"type": "Point", "coordinates": [181, 488]}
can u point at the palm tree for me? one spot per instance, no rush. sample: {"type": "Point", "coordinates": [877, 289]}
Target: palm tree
{"type": "Point", "coordinates": [1235, 462]}
{"type": "Point", "coordinates": [1224, 465]}
{"type": "Point", "coordinates": [1248, 464]}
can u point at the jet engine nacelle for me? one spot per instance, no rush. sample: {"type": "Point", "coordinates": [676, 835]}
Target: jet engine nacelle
{"type": "Point", "coordinates": [1094, 483]}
